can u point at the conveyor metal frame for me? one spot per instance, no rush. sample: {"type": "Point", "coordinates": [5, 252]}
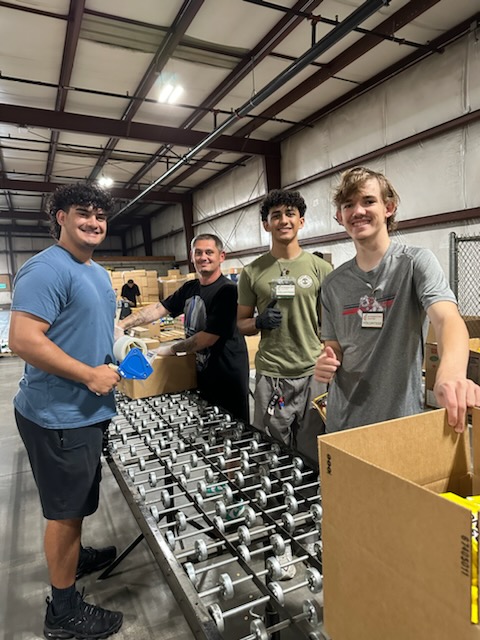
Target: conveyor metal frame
{"type": "Point", "coordinates": [196, 614]}
{"type": "Point", "coordinates": [195, 611]}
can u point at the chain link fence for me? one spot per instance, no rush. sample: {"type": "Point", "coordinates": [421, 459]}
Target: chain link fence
{"type": "Point", "coordinates": [465, 273]}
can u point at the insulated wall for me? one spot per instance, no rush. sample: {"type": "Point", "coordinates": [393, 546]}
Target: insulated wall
{"type": "Point", "coordinates": [238, 194]}
{"type": "Point", "coordinates": [168, 233]}
{"type": "Point", "coordinates": [438, 175]}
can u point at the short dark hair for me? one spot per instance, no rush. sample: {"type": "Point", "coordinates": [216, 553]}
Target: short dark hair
{"type": "Point", "coordinates": [278, 197]}
{"type": "Point", "coordinates": [129, 281]}
{"type": "Point", "coordinates": [207, 236]}
{"type": "Point", "coordinates": [76, 194]}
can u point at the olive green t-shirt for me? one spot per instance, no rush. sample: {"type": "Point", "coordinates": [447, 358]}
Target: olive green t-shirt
{"type": "Point", "coordinates": [291, 350]}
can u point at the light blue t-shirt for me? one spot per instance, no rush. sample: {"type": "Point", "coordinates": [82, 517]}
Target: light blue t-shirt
{"type": "Point", "coordinates": [78, 302]}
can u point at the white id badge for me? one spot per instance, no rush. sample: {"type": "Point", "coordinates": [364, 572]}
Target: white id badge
{"type": "Point", "coordinates": [283, 288]}
{"type": "Point", "coordinates": [372, 320]}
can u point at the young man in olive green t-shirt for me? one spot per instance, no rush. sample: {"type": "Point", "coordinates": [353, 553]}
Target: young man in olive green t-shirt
{"type": "Point", "coordinates": [284, 286]}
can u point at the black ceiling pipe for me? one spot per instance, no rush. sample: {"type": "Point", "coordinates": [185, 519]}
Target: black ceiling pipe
{"type": "Point", "coordinates": [336, 34]}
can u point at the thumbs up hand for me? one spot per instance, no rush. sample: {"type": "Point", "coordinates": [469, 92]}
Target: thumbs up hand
{"type": "Point", "coordinates": [270, 318]}
{"type": "Point", "coordinates": [326, 365]}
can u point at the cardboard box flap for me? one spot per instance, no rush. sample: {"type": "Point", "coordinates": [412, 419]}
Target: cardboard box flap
{"type": "Point", "coordinates": [390, 551]}
{"type": "Point", "coordinates": [403, 455]}
{"type": "Point", "coordinates": [397, 557]}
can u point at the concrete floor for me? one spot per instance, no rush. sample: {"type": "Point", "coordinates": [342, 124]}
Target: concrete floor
{"type": "Point", "coordinates": [137, 587]}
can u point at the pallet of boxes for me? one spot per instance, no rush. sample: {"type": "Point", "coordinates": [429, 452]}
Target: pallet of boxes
{"type": "Point", "coordinates": [170, 374]}
{"type": "Point", "coordinates": [147, 282]}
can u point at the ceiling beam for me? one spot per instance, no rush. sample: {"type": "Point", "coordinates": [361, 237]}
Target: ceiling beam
{"type": "Point", "coordinates": [392, 24]}
{"type": "Point", "coordinates": [39, 12]}
{"type": "Point", "coordinates": [34, 230]}
{"type": "Point", "coordinates": [23, 215]}
{"type": "Point", "coordinates": [122, 194]}
{"type": "Point", "coordinates": [401, 18]}
{"type": "Point", "coordinates": [367, 9]}
{"type": "Point", "coordinates": [266, 45]}
{"type": "Point", "coordinates": [31, 230]}
{"type": "Point", "coordinates": [74, 24]}
{"type": "Point", "coordinates": [95, 125]}
{"type": "Point", "coordinates": [398, 67]}
{"type": "Point", "coordinates": [182, 21]}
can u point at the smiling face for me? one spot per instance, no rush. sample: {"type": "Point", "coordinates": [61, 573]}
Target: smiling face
{"type": "Point", "coordinates": [82, 229]}
{"type": "Point", "coordinates": [207, 258]}
{"type": "Point", "coordinates": [283, 222]}
{"type": "Point", "coordinates": [364, 215]}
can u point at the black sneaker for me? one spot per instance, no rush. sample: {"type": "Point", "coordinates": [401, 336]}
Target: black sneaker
{"type": "Point", "coordinates": [94, 559]}
{"type": "Point", "coordinates": [84, 621]}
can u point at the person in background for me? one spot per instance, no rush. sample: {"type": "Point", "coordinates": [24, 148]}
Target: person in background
{"type": "Point", "coordinates": [62, 323]}
{"type": "Point", "coordinates": [374, 310]}
{"type": "Point", "coordinates": [283, 286]}
{"type": "Point", "coordinates": [130, 293]}
{"type": "Point", "coordinates": [210, 307]}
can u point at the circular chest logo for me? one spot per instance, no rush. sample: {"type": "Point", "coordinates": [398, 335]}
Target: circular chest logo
{"type": "Point", "coordinates": [305, 282]}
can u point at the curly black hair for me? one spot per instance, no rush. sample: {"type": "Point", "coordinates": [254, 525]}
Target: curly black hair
{"type": "Point", "coordinates": [76, 194]}
{"type": "Point", "coordinates": [278, 197]}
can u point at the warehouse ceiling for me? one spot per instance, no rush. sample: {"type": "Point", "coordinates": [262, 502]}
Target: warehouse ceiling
{"type": "Point", "coordinates": [80, 82]}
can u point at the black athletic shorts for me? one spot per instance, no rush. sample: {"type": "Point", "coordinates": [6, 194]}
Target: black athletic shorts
{"type": "Point", "coordinates": [66, 466]}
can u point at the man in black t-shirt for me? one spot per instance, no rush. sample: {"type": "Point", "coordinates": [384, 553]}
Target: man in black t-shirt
{"type": "Point", "coordinates": [131, 292]}
{"type": "Point", "coordinates": [210, 307]}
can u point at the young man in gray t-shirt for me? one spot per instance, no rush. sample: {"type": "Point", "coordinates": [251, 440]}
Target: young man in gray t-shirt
{"type": "Point", "coordinates": [374, 310]}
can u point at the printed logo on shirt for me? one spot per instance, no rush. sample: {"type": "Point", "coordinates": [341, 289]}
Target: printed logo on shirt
{"type": "Point", "coordinates": [195, 321]}
{"type": "Point", "coordinates": [305, 281]}
{"type": "Point", "coordinates": [369, 304]}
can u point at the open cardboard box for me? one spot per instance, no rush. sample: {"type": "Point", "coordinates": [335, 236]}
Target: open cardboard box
{"type": "Point", "coordinates": [396, 555]}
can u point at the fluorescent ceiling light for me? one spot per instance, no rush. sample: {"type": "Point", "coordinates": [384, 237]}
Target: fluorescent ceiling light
{"type": "Point", "coordinates": [176, 93]}
{"type": "Point", "coordinates": [170, 93]}
{"type": "Point", "coordinates": [165, 92]}
{"type": "Point", "coordinates": [105, 182]}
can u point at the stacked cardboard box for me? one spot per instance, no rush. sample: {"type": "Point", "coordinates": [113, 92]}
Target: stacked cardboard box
{"type": "Point", "coordinates": [173, 281]}
{"type": "Point", "coordinates": [147, 282]}
{"type": "Point", "coordinates": [151, 330]}
{"type": "Point", "coordinates": [5, 291]}
{"type": "Point", "coordinates": [5, 283]}
{"type": "Point", "coordinates": [397, 557]}
{"type": "Point", "coordinates": [170, 333]}
{"type": "Point", "coordinates": [160, 330]}
{"type": "Point", "coordinates": [432, 358]}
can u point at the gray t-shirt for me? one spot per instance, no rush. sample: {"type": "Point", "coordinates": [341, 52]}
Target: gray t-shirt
{"type": "Point", "coordinates": [381, 373]}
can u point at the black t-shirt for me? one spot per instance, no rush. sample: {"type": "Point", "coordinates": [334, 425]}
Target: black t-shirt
{"type": "Point", "coordinates": [131, 293]}
{"type": "Point", "coordinates": [222, 370]}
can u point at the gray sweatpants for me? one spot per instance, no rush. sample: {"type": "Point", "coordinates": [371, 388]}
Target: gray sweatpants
{"type": "Point", "coordinates": [297, 424]}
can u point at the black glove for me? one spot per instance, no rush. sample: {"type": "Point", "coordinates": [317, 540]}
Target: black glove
{"type": "Point", "coordinates": [270, 318]}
